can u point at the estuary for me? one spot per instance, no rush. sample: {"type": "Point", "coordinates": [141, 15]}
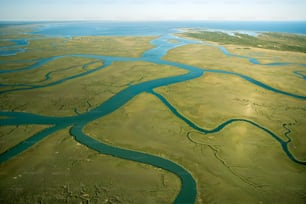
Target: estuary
{"type": "Point", "coordinates": [162, 45]}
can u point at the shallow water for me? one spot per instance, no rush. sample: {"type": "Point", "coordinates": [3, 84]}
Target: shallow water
{"type": "Point", "coordinates": [159, 28]}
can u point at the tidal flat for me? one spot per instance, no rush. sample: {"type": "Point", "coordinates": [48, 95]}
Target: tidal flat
{"type": "Point", "coordinates": [43, 47]}
{"type": "Point", "coordinates": [210, 57]}
{"type": "Point", "coordinates": [60, 170]}
{"type": "Point", "coordinates": [267, 40]}
{"type": "Point", "coordinates": [84, 118]}
{"type": "Point", "coordinates": [81, 94]}
{"type": "Point", "coordinates": [238, 162]}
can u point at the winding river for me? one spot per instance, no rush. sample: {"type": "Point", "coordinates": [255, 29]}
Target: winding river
{"type": "Point", "coordinates": [162, 45]}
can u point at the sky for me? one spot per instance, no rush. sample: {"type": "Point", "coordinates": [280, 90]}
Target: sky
{"type": "Point", "coordinates": [153, 10]}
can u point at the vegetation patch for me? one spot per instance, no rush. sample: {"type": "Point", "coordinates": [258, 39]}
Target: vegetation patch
{"type": "Point", "coordinates": [273, 41]}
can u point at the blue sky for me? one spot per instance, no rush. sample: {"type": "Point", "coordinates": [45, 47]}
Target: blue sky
{"type": "Point", "coordinates": [130, 10]}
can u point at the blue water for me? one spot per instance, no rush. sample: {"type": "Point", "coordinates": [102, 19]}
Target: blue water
{"type": "Point", "coordinates": [109, 28]}
{"type": "Point", "coordinates": [15, 48]}
{"type": "Point", "coordinates": [158, 28]}
{"type": "Point", "coordinates": [10, 52]}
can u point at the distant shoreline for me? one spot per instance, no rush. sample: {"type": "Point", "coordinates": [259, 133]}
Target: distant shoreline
{"type": "Point", "coordinates": [97, 27]}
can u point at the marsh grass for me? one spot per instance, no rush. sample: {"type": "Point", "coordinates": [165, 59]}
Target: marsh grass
{"type": "Point", "coordinates": [273, 41]}
{"type": "Point", "coordinates": [232, 162]}
{"type": "Point", "coordinates": [60, 170]}
{"type": "Point", "coordinates": [84, 93]}
{"type": "Point", "coordinates": [99, 45]}
{"type": "Point", "coordinates": [210, 57]}
{"type": "Point", "coordinates": [13, 135]}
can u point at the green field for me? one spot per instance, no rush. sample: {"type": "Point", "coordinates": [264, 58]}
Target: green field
{"type": "Point", "coordinates": [273, 41]}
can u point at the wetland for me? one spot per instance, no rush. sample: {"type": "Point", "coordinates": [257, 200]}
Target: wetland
{"type": "Point", "coordinates": [167, 118]}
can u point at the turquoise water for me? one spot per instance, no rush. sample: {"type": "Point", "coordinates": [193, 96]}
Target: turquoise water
{"type": "Point", "coordinates": [105, 28]}
{"type": "Point", "coordinates": [159, 28]}
{"type": "Point", "coordinates": [13, 49]}
{"type": "Point", "coordinates": [162, 45]}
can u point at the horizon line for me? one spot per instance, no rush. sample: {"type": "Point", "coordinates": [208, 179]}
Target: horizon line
{"type": "Point", "coordinates": [151, 20]}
